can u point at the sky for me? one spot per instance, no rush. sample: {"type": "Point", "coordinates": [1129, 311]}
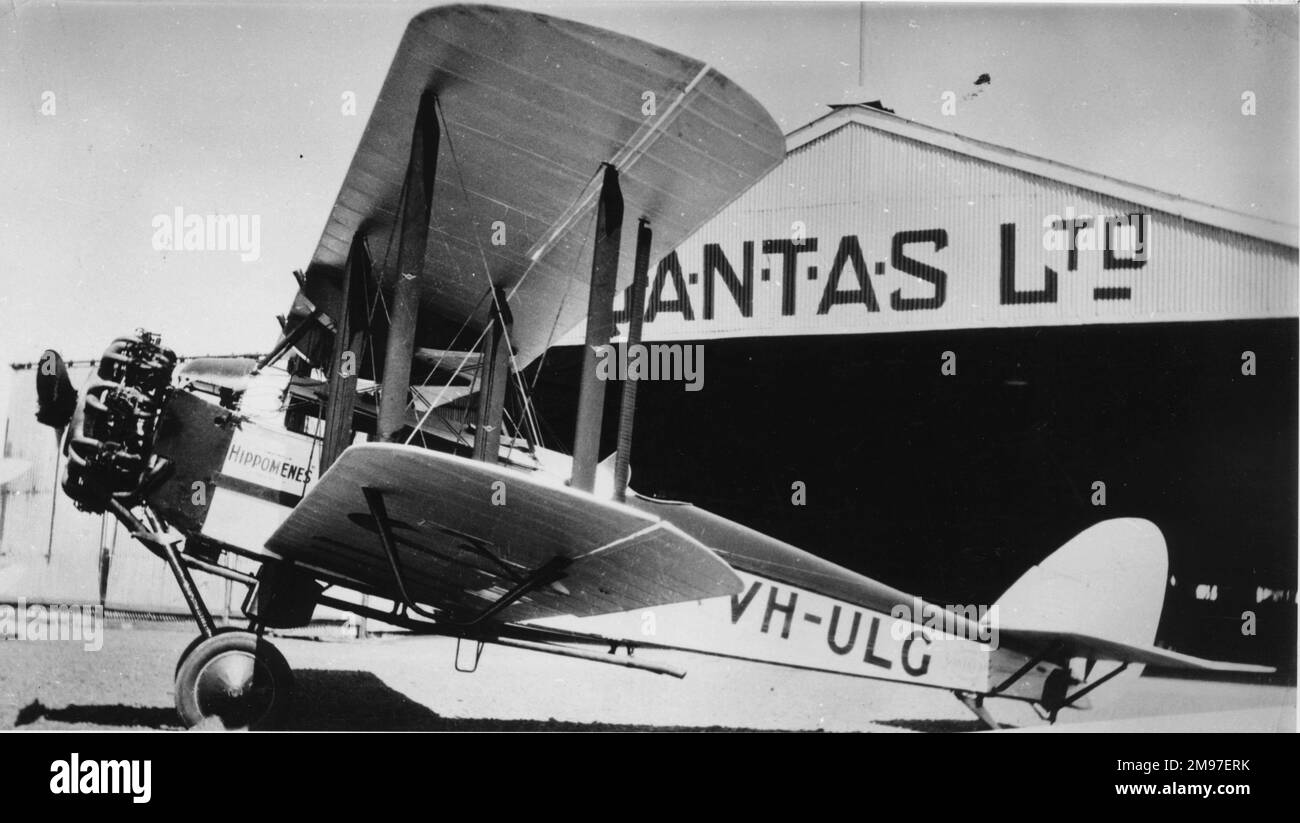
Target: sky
{"type": "Point", "coordinates": [113, 113]}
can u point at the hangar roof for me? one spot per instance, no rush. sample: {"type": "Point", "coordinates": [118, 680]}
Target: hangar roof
{"type": "Point", "coordinates": [1194, 210]}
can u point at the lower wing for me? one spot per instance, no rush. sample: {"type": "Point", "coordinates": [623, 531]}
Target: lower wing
{"type": "Point", "coordinates": [470, 539]}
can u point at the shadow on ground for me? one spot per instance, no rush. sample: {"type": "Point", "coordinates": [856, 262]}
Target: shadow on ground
{"type": "Point", "coordinates": [355, 701]}
{"type": "Point", "coordinates": [941, 725]}
{"type": "Point", "coordinates": [329, 700]}
{"type": "Point", "coordinates": [150, 717]}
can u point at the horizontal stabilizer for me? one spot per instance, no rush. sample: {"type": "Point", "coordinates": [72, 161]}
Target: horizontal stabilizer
{"type": "Point", "coordinates": [1099, 597]}
{"type": "Point", "coordinates": [1096, 648]}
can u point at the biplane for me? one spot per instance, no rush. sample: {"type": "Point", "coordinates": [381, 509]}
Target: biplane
{"type": "Point", "coordinates": [517, 176]}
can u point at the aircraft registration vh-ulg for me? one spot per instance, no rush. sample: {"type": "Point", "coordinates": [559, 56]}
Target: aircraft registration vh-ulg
{"type": "Point", "coordinates": [409, 469]}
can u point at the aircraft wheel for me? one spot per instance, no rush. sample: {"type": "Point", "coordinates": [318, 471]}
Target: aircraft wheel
{"type": "Point", "coordinates": [233, 681]}
{"type": "Point", "coordinates": [194, 644]}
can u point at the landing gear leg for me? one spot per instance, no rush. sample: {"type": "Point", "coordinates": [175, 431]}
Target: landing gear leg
{"type": "Point", "coordinates": [233, 680]}
{"type": "Point", "coordinates": [227, 678]}
{"type": "Point", "coordinates": [975, 702]}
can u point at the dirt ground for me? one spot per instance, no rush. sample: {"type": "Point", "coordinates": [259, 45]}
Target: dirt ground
{"type": "Point", "coordinates": [399, 683]}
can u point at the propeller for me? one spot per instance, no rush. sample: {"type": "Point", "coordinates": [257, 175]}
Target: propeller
{"type": "Point", "coordinates": [56, 400]}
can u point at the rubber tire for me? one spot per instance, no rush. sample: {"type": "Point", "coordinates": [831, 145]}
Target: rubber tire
{"type": "Point", "coordinates": [194, 644]}
{"type": "Point", "coordinates": [258, 672]}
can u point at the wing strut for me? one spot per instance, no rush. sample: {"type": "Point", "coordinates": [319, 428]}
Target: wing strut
{"type": "Point", "coordinates": [349, 337]}
{"type": "Point", "coordinates": [494, 376]}
{"type": "Point", "coordinates": [636, 315]}
{"type": "Point", "coordinates": [288, 339]}
{"type": "Point", "coordinates": [1071, 699]}
{"type": "Point", "coordinates": [1049, 651]}
{"type": "Point", "coordinates": [403, 314]}
{"type": "Point", "coordinates": [600, 329]}
{"type": "Point", "coordinates": [549, 572]}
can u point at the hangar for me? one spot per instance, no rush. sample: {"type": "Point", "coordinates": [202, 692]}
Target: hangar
{"type": "Point", "coordinates": [874, 223]}
{"type": "Point", "coordinates": [1162, 367]}
{"type": "Point", "coordinates": [829, 296]}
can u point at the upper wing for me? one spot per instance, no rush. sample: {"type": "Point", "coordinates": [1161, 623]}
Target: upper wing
{"type": "Point", "coordinates": [463, 541]}
{"type": "Point", "coordinates": [531, 106]}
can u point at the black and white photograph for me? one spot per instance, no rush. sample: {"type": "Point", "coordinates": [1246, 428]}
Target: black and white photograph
{"type": "Point", "coordinates": [622, 366]}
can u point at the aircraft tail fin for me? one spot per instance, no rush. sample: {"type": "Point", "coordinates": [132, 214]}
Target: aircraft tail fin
{"type": "Point", "coordinates": [1099, 598]}
{"type": "Point", "coordinates": [1092, 608]}
{"type": "Point", "coordinates": [1108, 582]}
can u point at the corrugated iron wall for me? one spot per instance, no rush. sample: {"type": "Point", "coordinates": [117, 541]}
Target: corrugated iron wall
{"type": "Point", "coordinates": [922, 215]}
{"type": "Point", "coordinates": [51, 552]}
{"type": "Point", "coordinates": [934, 231]}
{"type": "Point", "coordinates": [30, 511]}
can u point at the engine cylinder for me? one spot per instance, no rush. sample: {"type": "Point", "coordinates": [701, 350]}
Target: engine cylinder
{"type": "Point", "coordinates": [109, 446]}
